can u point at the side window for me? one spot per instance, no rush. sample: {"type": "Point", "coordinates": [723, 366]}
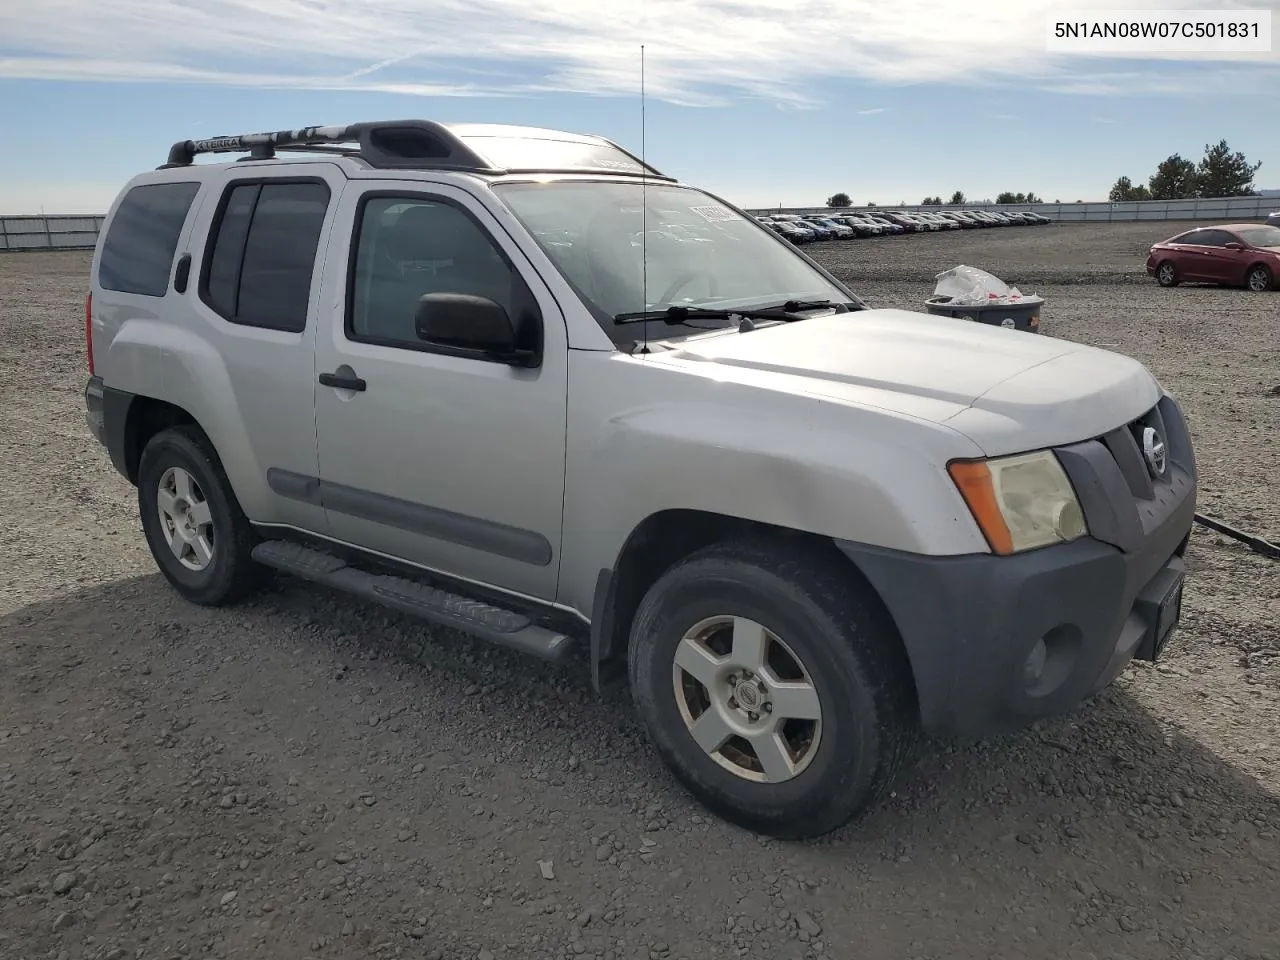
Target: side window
{"type": "Point", "coordinates": [137, 252]}
{"type": "Point", "coordinates": [1210, 238]}
{"type": "Point", "coordinates": [262, 253]}
{"type": "Point", "coordinates": [411, 246]}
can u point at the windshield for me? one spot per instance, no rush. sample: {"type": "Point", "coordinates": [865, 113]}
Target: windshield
{"type": "Point", "coordinates": [1260, 236]}
{"type": "Point", "coordinates": [696, 252]}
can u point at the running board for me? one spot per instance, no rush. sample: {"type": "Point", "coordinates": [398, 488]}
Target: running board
{"type": "Point", "coordinates": [484, 620]}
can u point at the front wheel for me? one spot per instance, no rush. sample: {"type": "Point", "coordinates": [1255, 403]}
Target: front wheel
{"type": "Point", "coordinates": [1167, 274]}
{"type": "Point", "coordinates": [773, 686]}
{"type": "Point", "coordinates": [1259, 279]}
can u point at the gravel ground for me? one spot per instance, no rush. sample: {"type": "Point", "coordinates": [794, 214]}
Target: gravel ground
{"type": "Point", "coordinates": [306, 776]}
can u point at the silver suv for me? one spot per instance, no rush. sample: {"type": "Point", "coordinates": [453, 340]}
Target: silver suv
{"type": "Point", "coordinates": [519, 383]}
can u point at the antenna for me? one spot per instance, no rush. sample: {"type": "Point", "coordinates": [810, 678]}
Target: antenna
{"type": "Point", "coordinates": [644, 212]}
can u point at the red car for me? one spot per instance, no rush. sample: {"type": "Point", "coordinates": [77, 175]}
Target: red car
{"type": "Point", "coordinates": [1235, 254]}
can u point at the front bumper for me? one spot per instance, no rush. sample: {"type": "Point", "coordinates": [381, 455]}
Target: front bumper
{"type": "Point", "coordinates": [974, 625]}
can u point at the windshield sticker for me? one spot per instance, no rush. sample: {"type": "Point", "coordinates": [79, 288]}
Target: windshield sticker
{"type": "Point", "coordinates": [714, 213]}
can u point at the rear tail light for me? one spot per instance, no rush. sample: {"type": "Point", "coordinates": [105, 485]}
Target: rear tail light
{"type": "Point", "coordinates": [88, 329]}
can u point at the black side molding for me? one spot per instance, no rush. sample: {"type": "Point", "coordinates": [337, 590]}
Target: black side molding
{"type": "Point", "coordinates": [499, 539]}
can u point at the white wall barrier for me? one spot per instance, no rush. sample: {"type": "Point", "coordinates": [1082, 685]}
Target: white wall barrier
{"type": "Point", "coordinates": [54, 232]}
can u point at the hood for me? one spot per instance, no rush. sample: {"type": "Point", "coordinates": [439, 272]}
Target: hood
{"type": "Point", "coordinates": [1006, 390]}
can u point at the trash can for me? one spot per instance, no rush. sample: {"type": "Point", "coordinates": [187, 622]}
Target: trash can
{"type": "Point", "coordinates": [1023, 314]}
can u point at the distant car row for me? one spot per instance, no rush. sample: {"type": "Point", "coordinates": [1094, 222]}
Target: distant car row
{"type": "Point", "coordinates": [846, 226]}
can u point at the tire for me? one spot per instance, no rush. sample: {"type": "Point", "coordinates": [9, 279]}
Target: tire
{"type": "Point", "coordinates": [215, 567]}
{"type": "Point", "coordinates": [1167, 274]}
{"type": "Point", "coordinates": [847, 648]}
{"type": "Point", "coordinates": [1259, 278]}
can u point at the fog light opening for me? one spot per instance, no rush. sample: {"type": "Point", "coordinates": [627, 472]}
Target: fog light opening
{"type": "Point", "coordinates": [1050, 660]}
{"type": "Point", "coordinates": [1033, 669]}
{"type": "Point", "coordinates": [1068, 521]}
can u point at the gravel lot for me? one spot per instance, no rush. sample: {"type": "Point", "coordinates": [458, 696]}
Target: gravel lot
{"type": "Point", "coordinates": [307, 776]}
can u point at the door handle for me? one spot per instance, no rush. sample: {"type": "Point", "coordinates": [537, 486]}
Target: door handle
{"type": "Point", "coordinates": [341, 382]}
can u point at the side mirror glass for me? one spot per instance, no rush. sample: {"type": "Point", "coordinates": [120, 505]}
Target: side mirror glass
{"type": "Point", "coordinates": [1234, 246]}
{"type": "Point", "coordinates": [469, 325]}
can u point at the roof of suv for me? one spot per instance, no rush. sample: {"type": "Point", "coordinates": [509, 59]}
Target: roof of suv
{"type": "Point", "coordinates": [491, 149]}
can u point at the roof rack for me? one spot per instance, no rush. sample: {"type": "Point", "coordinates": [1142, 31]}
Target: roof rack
{"type": "Point", "coordinates": [427, 145]}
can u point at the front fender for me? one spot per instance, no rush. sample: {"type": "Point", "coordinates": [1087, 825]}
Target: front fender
{"type": "Point", "coordinates": [783, 459]}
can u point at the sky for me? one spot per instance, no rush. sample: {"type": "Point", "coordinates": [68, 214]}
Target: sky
{"type": "Point", "coordinates": [765, 102]}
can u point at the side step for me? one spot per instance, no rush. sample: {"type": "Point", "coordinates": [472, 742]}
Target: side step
{"type": "Point", "coordinates": [483, 620]}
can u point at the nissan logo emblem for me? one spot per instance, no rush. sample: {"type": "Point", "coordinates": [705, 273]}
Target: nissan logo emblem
{"type": "Point", "coordinates": [1153, 450]}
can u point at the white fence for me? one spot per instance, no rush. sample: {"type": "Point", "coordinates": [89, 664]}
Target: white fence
{"type": "Point", "coordinates": [65, 232]}
{"type": "Point", "coordinates": [49, 232]}
{"type": "Point", "coordinates": [1223, 209]}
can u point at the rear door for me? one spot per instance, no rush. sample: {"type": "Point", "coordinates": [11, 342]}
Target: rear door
{"type": "Point", "coordinates": [256, 269]}
{"type": "Point", "coordinates": [1214, 262]}
{"type": "Point", "coordinates": [1194, 252]}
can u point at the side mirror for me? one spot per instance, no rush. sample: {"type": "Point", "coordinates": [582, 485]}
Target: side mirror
{"type": "Point", "coordinates": [1234, 246]}
{"type": "Point", "coordinates": [466, 325]}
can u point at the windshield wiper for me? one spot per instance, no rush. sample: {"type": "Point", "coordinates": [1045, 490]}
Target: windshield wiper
{"type": "Point", "coordinates": [676, 315]}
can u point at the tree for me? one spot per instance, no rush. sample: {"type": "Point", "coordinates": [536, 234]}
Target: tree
{"type": "Point", "coordinates": [1124, 190]}
{"type": "Point", "coordinates": [1224, 174]}
{"type": "Point", "coordinates": [839, 200]}
{"type": "Point", "coordinates": [957, 197]}
{"type": "Point", "coordinates": [1174, 179]}
{"type": "Point", "coordinates": [1007, 197]}
{"type": "Point", "coordinates": [931, 202]}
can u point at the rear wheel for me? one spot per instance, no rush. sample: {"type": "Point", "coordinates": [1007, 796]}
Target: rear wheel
{"type": "Point", "coordinates": [1259, 278]}
{"type": "Point", "coordinates": [197, 533]}
{"type": "Point", "coordinates": [1167, 274]}
{"type": "Point", "coordinates": [773, 687]}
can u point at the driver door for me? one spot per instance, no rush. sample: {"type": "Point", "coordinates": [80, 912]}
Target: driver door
{"type": "Point", "coordinates": [451, 463]}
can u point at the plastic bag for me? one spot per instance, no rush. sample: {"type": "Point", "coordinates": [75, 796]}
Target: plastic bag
{"type": "Point", "coordinates": [969, 285]}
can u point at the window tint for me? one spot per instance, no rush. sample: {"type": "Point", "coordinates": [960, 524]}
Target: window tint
{"type": "Point", "coordinates": [258, 270]}
{"type": "Point", "coordinates": [1209, 238]}
{"type": "Point", "coordinates": [137, 252]}
{"type": "Point", "coordinates": [222, 281]}
{"type": "Point", "coordinates": [408, 247]}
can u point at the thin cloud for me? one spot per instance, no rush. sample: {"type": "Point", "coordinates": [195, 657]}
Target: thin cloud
{"type": "Point", "coordinates": [698, 52]}
{"type": "Point", "coordinates": [872, 112]}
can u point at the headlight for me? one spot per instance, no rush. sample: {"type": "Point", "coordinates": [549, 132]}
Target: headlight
{"type": "Point", "coordinates": [1020, 502]}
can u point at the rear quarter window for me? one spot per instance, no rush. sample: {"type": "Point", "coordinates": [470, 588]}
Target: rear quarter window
{"type": "Point", "coordinates": [138, 249]}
